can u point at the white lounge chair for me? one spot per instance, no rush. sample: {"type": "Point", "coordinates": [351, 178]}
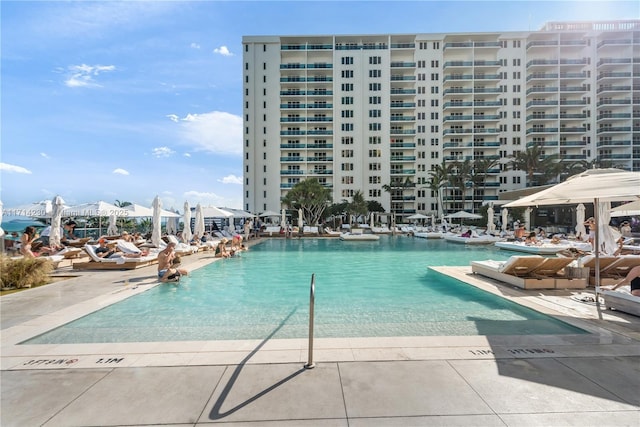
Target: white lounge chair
{"type": "Point", "coordinates": [115, 263]}
{"type": "Point", "coordinates": [516, 271]}
{"type": "Point", "coordinates": [621, 300]}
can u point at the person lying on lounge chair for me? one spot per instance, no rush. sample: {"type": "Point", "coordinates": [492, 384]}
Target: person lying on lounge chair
{"type": "Point", "coordinates": [632, 278]}
{"type": "Point", "coordinates": [103, 251]}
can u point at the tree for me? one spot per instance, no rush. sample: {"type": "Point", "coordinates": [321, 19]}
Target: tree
{"type": "Point", "coordinates": [478, 174]}
{"type": "Point", "coordinates": [438, 178]}
{"type": "Point", "coordinates": [459, 176]}
{"type": "Point", "coordinates": [534, 163]}
{"type": "Point", "coordinates": [358, 204]}
{"type": "Point", "coordinates": [396, 188]}
{"type": "Point", "coordinates": [310, 196]}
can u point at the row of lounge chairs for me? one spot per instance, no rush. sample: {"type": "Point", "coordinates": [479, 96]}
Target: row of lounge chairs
{"type": "Point", "coordinates": [536, 272]}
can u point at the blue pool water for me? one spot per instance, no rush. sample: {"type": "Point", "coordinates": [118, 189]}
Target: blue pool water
{"type": "Point", "coordinates": [363, 289]}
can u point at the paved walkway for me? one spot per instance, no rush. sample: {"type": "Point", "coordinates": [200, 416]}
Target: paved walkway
{"type": "Point", "coordinates": [579, 380]}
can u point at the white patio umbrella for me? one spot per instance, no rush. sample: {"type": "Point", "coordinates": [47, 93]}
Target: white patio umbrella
{"type": "Point", "coordinates": [628, 209]}
{"type": "Point", "coordinates": [268, 214]}
{"type": "Point", "coordinates": [96, 209]}
{"type": "Point", "coordinates": [283, 218]}
{"type": "Point", "coordinates": [372, 219]}
{"type": "Point", "coordinates": [505, 219]}
{"type": "Point", "coordinates": [593, 186]}
{"type": "Point", "coordinates": [417, 216]}
{"type": "Point", "coordinates": [433, 221]}
{"type": "Point", "coordinates": [41, 209]}
{"type": "Point", "coordinates": [581, 230]}
{"type": "Point", "coordinates": [56, 221]}
{"type": "Point", "coordinates": [112, 229]}
{"type": "Point", "coordinates": [462, 215]}
{"type": "Point", "coordinates": [491, 227]}
{"type": "Point", "coordinates": [198, 228]}
{"type": "Point", "coordinates": [527, 219]}
{"type": "Point", "coordinates": [172, 224]}
{"type": "Point", "coordinates": [186, 232]}
{"type": "Point", "coordinates": [156, 233]}
{"type": "Point", "coordinates": [300, 220]}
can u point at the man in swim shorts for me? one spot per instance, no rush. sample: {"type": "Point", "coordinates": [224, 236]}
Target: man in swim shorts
{"type": "Point", "coordinates": [165, 261]}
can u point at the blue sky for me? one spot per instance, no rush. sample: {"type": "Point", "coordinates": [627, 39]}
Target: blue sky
{"type": "Point", "coordinates": [129, 100]}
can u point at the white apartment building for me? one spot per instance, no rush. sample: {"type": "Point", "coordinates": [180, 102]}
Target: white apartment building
{"type": "Point", "coordinates": [363, 112]}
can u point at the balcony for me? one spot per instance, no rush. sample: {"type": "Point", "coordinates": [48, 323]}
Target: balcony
{"type": "Point", "coordinates": [608, 88]}
{"type": "Point", "coordinates": [402, 132]}
{"type": "Point", "coordinates": [541, 62]}
{"type": "Point", "coordinates": [614, 42]}
{"type": "Point", "coordinates": [605, 116]}
{"type": "Point", "coordinates": [320, 159]}
{"type": "Point", "coordinates": [403, 172]}
{"type": "Point", "coordinates": [293, 146]}
{"type": "Point", "coordinates": [400, 64]}
{"type": "Point", "coordinates": [403, 91]}
{"type": "Point", "coordinates": [403, 158]}
{"type": "Point", "coordinates": [577, 143]}
{"type": "Point", "coordinates": [539, 103]}
{"type": "Point", "coordinates": [292, 132]}
{"type": "Point", "coordinates": [291, 172]}
{"type": "Point", "coordinates": [542, 117]}
{"type": "Point", "coordinates": [292, 159]}
{"type": "Point", "coordinates": [292, 66]}
{"type": "Point", "coordinates": [614, 102]}
{"type": "Point", "coordinates": [541, 130]}
{"type": "Point", "coordinates": [402, 145]}
{"type": "Point", "coordinates": [614, 129]}
{"type": "Point", "coordinates": [321, 172]}
{"type": "Point", "coordinates": [564, 116]}
{"type": "Point", "coordinates": [319, 132]}
{"type": "Point", "coordinates": [320, 146]}
{"type": "Point", "coordinates": [614, 143]}
{"type": "Point", "coordinates": [403, 118]}
{"type": "Point", "coordinates": [403, 104]}
{"type": "Point", "coordinates": [541, 43]}
{"type": "Point", "coordinates": [320, 65]}
{"type": "Point", "coordinates": [396, 78]}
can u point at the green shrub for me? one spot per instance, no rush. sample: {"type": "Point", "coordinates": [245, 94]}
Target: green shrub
{"type": "Point", "coordinates": [24, 272]}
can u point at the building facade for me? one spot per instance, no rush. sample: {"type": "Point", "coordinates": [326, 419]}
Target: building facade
{"type": "Point", "coordinates": [377, 113]}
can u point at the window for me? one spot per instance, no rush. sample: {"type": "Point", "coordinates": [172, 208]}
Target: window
{"type": "Point", "coordinates": [346, 166]}
{"type": "Point", "coordinates": [375, 113]}
{"type": "Point", "coordinates": [374, 60]}
{"type": "Point", "coordinates": [375, 180]}
{"type": "Point", "coordinates": [347, 60]}
{"type": "Point", "coordinates": [347, 87]}
{"type": "Point", "coordinates": [347, 180]}
{"type": "Point", "coordinates": [375, 86]}
{"type": "Point", "coordinates": [375, 73]}
{"type": "Point", "coordinates": [347, 127]}
{"type": "Point", "coordinates": [347, 113]}
{"type": "Point", "coordinates": [375, 153]}
{"type": "Point", "coordinates": [347, 153]}
{"type": "Point", "coordinates": [435, 64]}
{"type": "Point", "coordinates": [375, 193]}
{"type": "Point", "coordinates": [347, 100]}
{"type": "Point", "coordinates": [347, 74]}
{"type": "Point", "coordinates": [375, 166]}
{"type": "Point", "coordinates": [375, 100]}
{"type": "Point", "coordinates": [375, 140]}
{"type": "Point", "coordinates": [375, 126]}
{"type": "Point", "coordinates": [347, 140]}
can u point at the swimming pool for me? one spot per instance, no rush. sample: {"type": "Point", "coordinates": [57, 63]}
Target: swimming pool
{"type": "Point", "coordinates": [363, 289]}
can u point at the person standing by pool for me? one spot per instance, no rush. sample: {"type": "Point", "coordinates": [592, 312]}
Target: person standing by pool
{"type": "Point", "coordinates": [165, 261]}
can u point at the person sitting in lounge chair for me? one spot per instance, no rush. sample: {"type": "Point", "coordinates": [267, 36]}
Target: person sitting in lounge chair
{"type": "Point", "coordinates": [632, 278]}
{"type": "Point", "coordinates": [103, 251]}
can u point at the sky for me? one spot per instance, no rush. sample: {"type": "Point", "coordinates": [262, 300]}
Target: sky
{"type": "Point", "coordinates": [128, 100]}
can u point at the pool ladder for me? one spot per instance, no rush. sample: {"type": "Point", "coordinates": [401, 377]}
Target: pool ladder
{"type": "Point", "coordinates": [312, 300]}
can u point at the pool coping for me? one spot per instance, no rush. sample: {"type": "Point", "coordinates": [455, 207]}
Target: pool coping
{"type": "Point", "coordinates": [611, 334]}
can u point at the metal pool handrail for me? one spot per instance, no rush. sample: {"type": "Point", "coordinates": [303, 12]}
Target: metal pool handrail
{"type": "Point", "coordinates": [312, 298]}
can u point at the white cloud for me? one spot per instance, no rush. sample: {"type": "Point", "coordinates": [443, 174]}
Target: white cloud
{"type": "Point", "coordinates": [162, 152]}
{"type": "Point", "coordinates": [120, 171]}
{"type": "Point", "coordinates": [187, 154]}
{"type": "Point", "coordinates": [83, 75]}
{"type": "Point", "coordinates": [13, 168]}
{"type": "Point", "coordinates": [222, 50]}
{"type": "Point", "coordinates": [173, 118]}
{"type": "Point", "coordinates": [204, 198]}
{"type": "Point", "coordinates": [195, 46]}
{"type": "Point", "coordinates": [215, 132]}
{"type": "Point", "coordinates": [45, 155]}
{"type": "Point", "coordinates": [231, 179]}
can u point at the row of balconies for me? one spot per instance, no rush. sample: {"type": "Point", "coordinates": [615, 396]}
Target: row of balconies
{"type": "Point", "coordinates": [552, 89]}
{"type": "Point", "coordinates": [617, 61]}
{"type": "Point", "coordinates": [287, 185]}
{"type": "Point", "coordinates": [470, 131]}
{"type": "Point", "coordinates": [574, 143]}
{"type": "Point", "coordinates": [617, 75]}
{"type": "Point", "coordinates": [306, 159]}
{"type": "Point", "coordinates": [302, 79]}
{"type": "Point", "coordinates": [474, 144]}
{"type": "Point", "coordinates": [472, 44]}
{"type": "Point", "coordinates": [453, 104]}
{"type": "Point", "coordinates": [616, 129]}
{"type": "Point", "coordinates": [465, 64]}
{"type": "Point", "coordinates": [297, 92]}
{"type": "Point", "coordinates": [543, 76]}
{"type": "Point", "coordinates": [296, 105]}
{"type": "Point", "coordinates": [537, 130]}
{"type": "Point", "coordinates": [305, 132]}
{"type": "Point", "coordinates": [559, 43]}
{"type": "Point", "coordinates": [306, 146]}
{"type": "Point", "coordinates": [305, 119]}
{"type": "Point", "coordinates": [486, 117]}
{"type": "Point", "coordinates": [556, 116]}
{"type": "Point", "coordinates": [309, 172]}
{"type": "Point", "coordinates": [538, 62]}
{"type": "Point", "coordinates": [456, 90]}
{"type": "Point", "coordinates": [463, 77]}
{"type": "Point", "coordinates": [614, 143]}
{"type": "Point", "coordinates": [614, 42]}
{"type": "Point", "coordinates": [461, 158]}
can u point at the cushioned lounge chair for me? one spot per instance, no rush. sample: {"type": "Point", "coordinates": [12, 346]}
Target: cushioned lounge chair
{"type": "Point", "coordinates": [621, 267]}
{"type": "Point", "coordinates": [517, 271]}
{"type": "Point", "coordinates": [554, 268]}
{"type": "Point", "coordinates": [116, 263]}
{"type": "Point", "coordinates": [621, 300]}
{"type": "Point", "coordinates": [308, 230]}
{"type": "Point", "coordinates": [271, 231]}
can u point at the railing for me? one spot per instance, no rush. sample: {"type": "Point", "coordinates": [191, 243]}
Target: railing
{"type": "Point", "coordinates": [312, 301]}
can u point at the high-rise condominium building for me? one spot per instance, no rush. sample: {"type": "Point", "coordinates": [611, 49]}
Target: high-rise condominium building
{"type": "Point", "coordinates": [378, 113]}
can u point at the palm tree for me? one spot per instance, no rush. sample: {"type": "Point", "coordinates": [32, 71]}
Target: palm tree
{"type": "Point", "coordinates": [358, 204]}
{"type": "Point", "coordinates": [534, 162]}
{"type": "Point", "coordinates": [396, 188]}
{"type": "Point", "coordinates": [459, 176]}
{"type": "Point", "coordinates": [438, 178]}
{"type": "Point", "coordinates": [478, 173]}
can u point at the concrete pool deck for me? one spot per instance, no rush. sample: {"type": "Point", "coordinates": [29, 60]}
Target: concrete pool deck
{"type": "Point", "coordinates": [582, 380]}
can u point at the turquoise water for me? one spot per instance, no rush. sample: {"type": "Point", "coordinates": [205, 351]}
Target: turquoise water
{"type": "Point", "coordinates": [363, 289]}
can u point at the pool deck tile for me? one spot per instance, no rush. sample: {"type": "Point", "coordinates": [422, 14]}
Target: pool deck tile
{"type": "Point", "coordinates": [572, 380]}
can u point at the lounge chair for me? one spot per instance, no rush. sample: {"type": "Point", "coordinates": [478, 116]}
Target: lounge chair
{"type": "Point", "coordinates": [116, 263]}
{"type": "Point", "coordinates": [621, 267]}
{"type": "Point", "coordinates": [554, 268]}
{"type": "Point", "coordinates": [271, 231]}
{"type": "Point", "coordinates": [181, 249]}
{"type": "Point", "coordinates": [605, 262]}
{"type": "Point", "coordinates": [308, 230]}
{"type": "Point", "coordinates": [621, 300]}
{"type": "Point", "coordinates": [517, 271]}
